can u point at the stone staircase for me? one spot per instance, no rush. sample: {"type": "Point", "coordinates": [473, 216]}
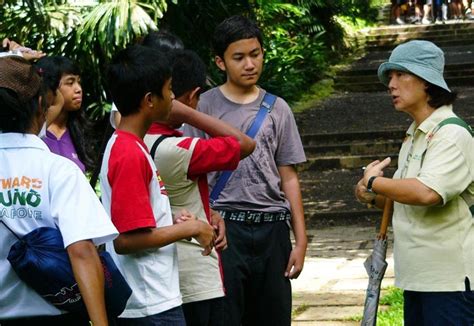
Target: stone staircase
{"type": "Point", "coordinates": [358, 124]}
{"type": "Point", "coordinates": [456, 39]}
{"type": "Point", "coordinates": [449, 34]}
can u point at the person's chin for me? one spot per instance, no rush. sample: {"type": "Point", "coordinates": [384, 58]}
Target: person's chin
{"type": "Point", "coordinates": [74, 108]}
{"type": "Point", "coordinates": [248, 82]}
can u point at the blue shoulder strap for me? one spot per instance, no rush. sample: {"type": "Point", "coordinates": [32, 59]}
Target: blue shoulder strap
{"type": "Point", "coordinates": [265, 107]}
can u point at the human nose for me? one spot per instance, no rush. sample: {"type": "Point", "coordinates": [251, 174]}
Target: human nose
{"type": "Point", "coordinates": [78, 88]}
{"type": "Point", "coordinates": [249, 64]}
{"type": "Point", "coordinates": [391, 84]}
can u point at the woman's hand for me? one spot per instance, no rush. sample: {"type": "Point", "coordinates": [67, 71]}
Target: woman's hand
{"type": "Point", "coordinates": [375, 169]}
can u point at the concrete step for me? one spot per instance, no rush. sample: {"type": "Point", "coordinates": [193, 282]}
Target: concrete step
{"type": "Point", "coordinates": [331, 289]}
{"type": "Point", "coordinates": [455, 57]}
{"type": "Point", "coordinates": [345, 115]}
{"type": "Point", "coordinates": [373, 147]}
{"type": "Point", "coordinates": [328, 197]}
{"type": "Point", "coordinates": [366, 79]}
{"type": "Point", "coordinates": [329, 138]}
{"type": "Point", "coordinates": [418, 31]}
{"type": "Point", "coordinates": [319, 163]}
{"type": "Point", "coordinates": [450, 25]}
{"type": "Point", "coordinates": [370, 73]}
{"type": "Point", "coordinates": [399, 37]}
{"type": "Point", "coordinates": [375, 85]}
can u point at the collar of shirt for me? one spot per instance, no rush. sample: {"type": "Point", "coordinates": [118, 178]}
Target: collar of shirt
{"type": "Point", "coordinates": [163, 129]}
{"type": "Point", "coordinates": [18, 140]}
{"type": "Point", "coordinates": [432, 121]}
{"type": "Point", "coordinates": [52, 136]}
{"type": "Point", "coordinates": [130, 135]}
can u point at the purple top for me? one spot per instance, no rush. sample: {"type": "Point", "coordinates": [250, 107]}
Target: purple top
{"type": "Point", "coordinates": [64, 147]}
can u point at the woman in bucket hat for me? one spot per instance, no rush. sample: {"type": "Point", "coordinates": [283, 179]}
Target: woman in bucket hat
{"type": "Point", "coordinates": [431, 189]}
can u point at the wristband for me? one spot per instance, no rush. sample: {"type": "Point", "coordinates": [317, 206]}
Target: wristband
{"type": "Point", "coordinates": [370, 183]}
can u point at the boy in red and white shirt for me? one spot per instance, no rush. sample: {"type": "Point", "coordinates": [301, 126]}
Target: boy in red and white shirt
{"type": "Point", "coordinates": [184, 163]}
{"type": "Point", "coordinates": [140, 83]}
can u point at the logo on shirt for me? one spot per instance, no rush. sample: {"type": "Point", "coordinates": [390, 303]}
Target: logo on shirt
{"type": "Point", "coordinates": [19, 197]}
{"type": "Point", "coordinates": [162, 184]}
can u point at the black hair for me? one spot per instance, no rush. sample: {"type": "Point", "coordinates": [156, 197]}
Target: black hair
{"type": "Point", "coordinates": [439, 96]}
{"type": "Point", "coordinates": [189, 72]}
{"type": "Point", "coordinates": [233, 29]}
{"type": "Point", "coordinates": [16, 116]}
{"type": "Point", "coordinates": [52, 69]}
{"type": "Point", "coordinates": [163, 41]}
{"type": "Point", "coordinates": [134, 72]}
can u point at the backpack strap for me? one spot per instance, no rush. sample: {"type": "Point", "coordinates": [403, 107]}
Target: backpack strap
{"type": "Point", "coordinates": [11, 231]}
{"type": "Point", "coordinates": [155, 145]}
{"type": "Point", "coordinates": [265, 107]}
{"type": "Point", "coordinates": [460, 122]}
{"type": "Point", "coordinates": [454, 121]}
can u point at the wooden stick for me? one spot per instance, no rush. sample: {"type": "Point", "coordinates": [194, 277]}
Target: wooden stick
{"type": "Point", "coordinates": [386, 217]}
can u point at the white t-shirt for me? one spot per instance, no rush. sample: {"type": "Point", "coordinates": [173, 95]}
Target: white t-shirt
{"type": "Point", "coordinates": [37, 189]}
{"type": "Point", "coordinates": [135, 197]}
{"type": "Point", "coordinates": [113, 112]}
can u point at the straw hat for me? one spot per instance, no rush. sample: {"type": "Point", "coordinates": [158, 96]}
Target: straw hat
{"type": "Point", "coordinates": [18, 75]}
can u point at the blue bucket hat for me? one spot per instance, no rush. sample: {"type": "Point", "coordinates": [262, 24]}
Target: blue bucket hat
{"type": "Point", "coordinates": [421, 58]}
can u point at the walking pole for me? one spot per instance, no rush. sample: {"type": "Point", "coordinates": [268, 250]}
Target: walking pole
{"type": "Point", "coordinates": [386, 217]}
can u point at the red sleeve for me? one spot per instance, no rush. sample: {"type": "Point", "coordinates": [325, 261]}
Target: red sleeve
{"type": "Point", "coordinates": [129, 176]}
{"type": "Point", "coordinates": [215, 154]}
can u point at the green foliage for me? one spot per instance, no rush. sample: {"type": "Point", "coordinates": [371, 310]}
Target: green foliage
{"type": "Point", "coordinates": [393, 316]}
{"type": "Point", "coordinates": [302, 37]}
{"type": "Point", "coordinates": [292, 59]}
{"type": "Point", "coordinates": [194, 22]}
{"type": "Point", "coordinates": [88, 32]}
{"type": "Point", "coordinates": [107, 28]}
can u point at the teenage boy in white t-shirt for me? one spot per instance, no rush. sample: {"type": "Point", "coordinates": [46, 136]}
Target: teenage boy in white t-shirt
{"type": "Point", "coordinates": [140, 83]}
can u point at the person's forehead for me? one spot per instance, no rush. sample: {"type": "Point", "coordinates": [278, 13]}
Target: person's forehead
{"type": "Point", "coordinates": [244, 45]}
{"type": "Point", "coordinates": [70, 76]}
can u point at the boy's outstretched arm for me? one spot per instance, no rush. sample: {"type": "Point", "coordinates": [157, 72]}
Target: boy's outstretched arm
{"type": "Point", "coordinates": [89, 275]}
{"type": "Point", "coordinates": [146, 238]}
{"type": "Point", "coordinates": [291, 187]}
{"type": "Point", "coordinates": [212, 126]}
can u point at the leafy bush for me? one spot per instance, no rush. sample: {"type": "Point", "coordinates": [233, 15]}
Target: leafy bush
{"type": "Point", "coordinates": [302, 37]}
{"type": "Point", "coordinates": [293, 59]}
{"type": "Point", "coordinates": [393, 316]}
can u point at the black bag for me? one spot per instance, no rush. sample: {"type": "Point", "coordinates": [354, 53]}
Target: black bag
{"type": "Point", "coordinates": [40, 260]}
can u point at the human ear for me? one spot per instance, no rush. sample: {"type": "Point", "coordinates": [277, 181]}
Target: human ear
{"type": "Point", "coordinates": [194, 94]}
{"type": "Point", "coordinates": [193, 97]}
{"type": "Point", "coordinates": [148, 99]}
{"type": "Point", "coordinates": [219, 62]}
